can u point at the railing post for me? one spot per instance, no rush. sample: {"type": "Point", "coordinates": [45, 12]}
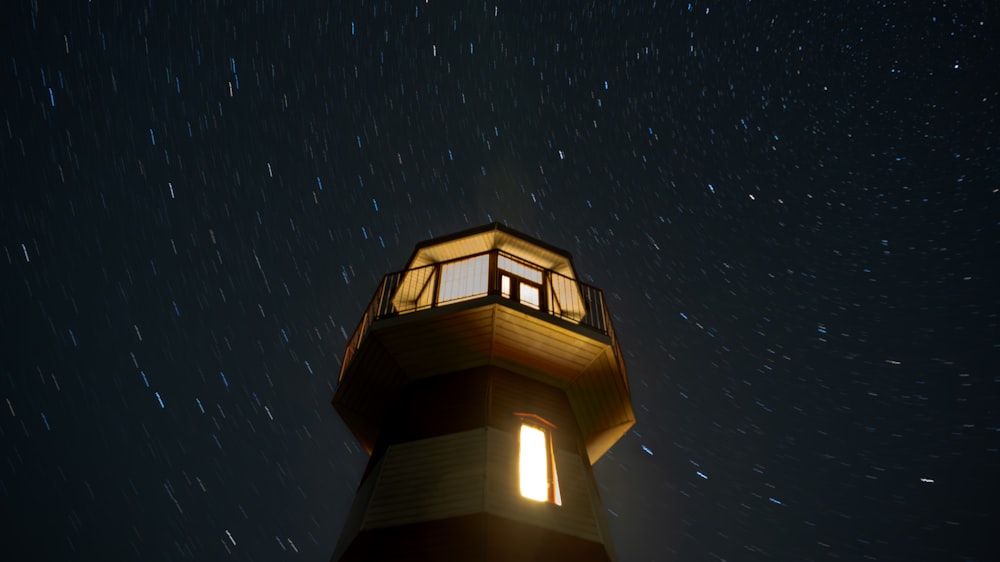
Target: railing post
{"type": "Point", "coordinates": [437, 285]}
{"type": "Point", "coordinates": [543, 296]}
{"type": "Point", "coordinates": [493, 277]}
{"type": "Point", "coordinates": [594, 314]}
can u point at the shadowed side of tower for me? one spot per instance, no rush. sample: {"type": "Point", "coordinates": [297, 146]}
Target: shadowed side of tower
{"type": "Point", "coordinates": [485, 380]}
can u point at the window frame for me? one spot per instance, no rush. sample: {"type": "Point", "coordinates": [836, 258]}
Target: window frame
{"type": "Point", "coordinates": [534, 421]}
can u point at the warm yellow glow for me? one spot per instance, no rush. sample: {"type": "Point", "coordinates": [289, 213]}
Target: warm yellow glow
{"type": "Point", "coordinates": [464, 279]}
{"type": "Point", "coordinates": [520, 269]}
{"type": "Point", "coordinates": [529, 295]}
{"type": "Point", "coordinates": [534, 466]}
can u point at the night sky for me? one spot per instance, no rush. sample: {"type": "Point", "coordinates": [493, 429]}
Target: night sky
{"type": "Point", "coordinates": [792, 209]}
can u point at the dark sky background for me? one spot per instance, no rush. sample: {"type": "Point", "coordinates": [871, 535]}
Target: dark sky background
{"type": "Point", "coordinates": [792, 209]}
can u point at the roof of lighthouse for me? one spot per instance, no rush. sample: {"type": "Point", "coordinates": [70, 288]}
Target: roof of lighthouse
{"type": "Point", "coordinates": [493, 236]}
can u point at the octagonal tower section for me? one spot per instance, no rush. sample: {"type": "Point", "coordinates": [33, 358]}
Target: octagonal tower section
{"type": "Point", "coordinates": [485, 380]}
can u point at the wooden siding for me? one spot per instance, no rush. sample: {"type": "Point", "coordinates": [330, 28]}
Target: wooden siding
{"type": "Point", "coordinates": [475, 472]}
{"type": "Point", "coordinates": [580, 514]}
{"type": "Point", "coordinates": [542, 344]}
{"type": "Point", "coordinates": [430, 466]}
{"type": "Point", "coordinates": [474, 333]}
{"type": "Point", "coordinates": [510, 393]}
{"type": "Point", "coordinates": [602, 419]}
{"type": "Point", "coordinates": [576, 515]}
{"type": "Point", "coordinates": [429, 479]}
{"type": "Point", "coordinates": [367, 390]}
{"type": "Point", "coordinates": [487, 332]}
{"type": "Point", "coordinates": [440, 344]}
{"type": "Point", "coordinates": [357, 514]}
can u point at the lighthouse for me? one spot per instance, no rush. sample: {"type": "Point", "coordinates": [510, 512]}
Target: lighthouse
{"type": "Point", "coordinates": [485, 380]}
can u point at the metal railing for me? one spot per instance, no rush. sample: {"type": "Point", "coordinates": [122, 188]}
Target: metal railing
{"type": "Point", "coordinates": [478, 276]}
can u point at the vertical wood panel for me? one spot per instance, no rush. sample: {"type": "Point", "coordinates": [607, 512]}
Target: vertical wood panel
{"type": "Point", "coordinates": [514, 393]}
{"type": "Point", "coordinates": [429, 479]}
{"type": "Point", "coordinates": [356, 517]}
{"type": "Point", "coordinates": [576, 514]}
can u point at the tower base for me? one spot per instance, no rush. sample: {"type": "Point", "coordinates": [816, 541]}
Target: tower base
{"type": "Point", "coordinates": [480, 537]}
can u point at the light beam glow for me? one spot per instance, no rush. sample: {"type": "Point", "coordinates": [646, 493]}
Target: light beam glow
{"type": "Point", "coordinates": [534, 464]}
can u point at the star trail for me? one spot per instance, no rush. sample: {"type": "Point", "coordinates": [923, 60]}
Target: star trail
{"type": "Point", "coordinates": [793, 210]}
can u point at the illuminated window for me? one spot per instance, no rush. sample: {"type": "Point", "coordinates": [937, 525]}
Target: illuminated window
{"type": "Point", "coordinates": [520, 281]}
{"type": "Point", "coordinates": [520, 269]}
{"type": "Point", "coordinates": [528, 295]}
{"type": "Point", "coordinates": [464, 279]}
{"type": "Point", "coordinates": [537, 467]}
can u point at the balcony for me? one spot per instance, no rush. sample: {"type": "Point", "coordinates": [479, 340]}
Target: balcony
{"type": "Point", "coordinates": [488, 275]}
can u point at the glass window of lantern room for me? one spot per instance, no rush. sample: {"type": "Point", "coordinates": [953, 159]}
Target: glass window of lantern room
{"type": "Point", "coordinates": [528, 294]}
{"type": "Point", "coordinates": [520, 269]}
{"type": "Point", "coordinates": [536, 465]}
{"type": "Point", "coordinates": [464, 279]}
{"type": "Point", "coordinates": [520, 281]}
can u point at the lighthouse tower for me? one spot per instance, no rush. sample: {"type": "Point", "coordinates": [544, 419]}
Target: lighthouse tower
{"type": "Point", "coordinates": [484, 379]}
